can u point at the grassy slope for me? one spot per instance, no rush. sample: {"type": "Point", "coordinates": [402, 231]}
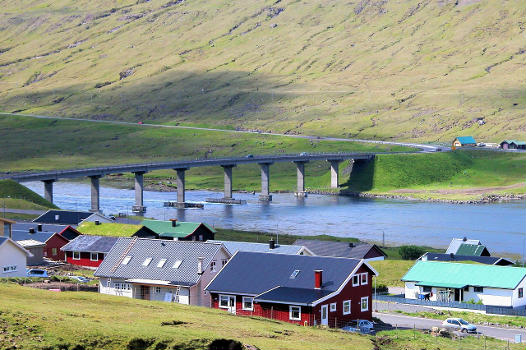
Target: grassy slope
{"type": "Point", "coordinates": [368, 69]}
{"type": "Point", "coordinates": [101, 321]}
{"type": "Point", "coordinates": [108, 229]}
{"type": "Point", "coordinates": [429, 175]}
{"type": "Point", "coordinates": [391, 271]}
{"type": "Point", "coordinates": [17, 196]}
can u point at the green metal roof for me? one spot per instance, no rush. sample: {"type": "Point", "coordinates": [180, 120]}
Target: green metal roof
{"type": "Point", "coordinates": [466, 139]}
{"type": "Point", "coordinates": [442, 285]}
{"type": "Point", "coordinates": [518, 143]}
{"type": "Point", "coordinates": [181, 229]}
{"type": "Point", "coordinates": [471, 249]}
{"type": "Point", "coordinates": [433, 273]}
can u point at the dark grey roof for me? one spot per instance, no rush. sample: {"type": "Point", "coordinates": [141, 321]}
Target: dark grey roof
{"type": "Point", "coordinates": [488, 260]}
{"type": "Point", "coordinates": [2, 240]}
{"type": "Point", "coordinates": [288, 295]}
{"type": "Point", "coordinates": [88, 243]}
{"type": "Point", "coordinates": [65, 217]}
{"type": "Point", "coordinates": [255, 273]}
{"type": "Point", "coordinates": [338, 249]}
{"type": "Point", "coordinates": [21, 231]}
{"type": "Point", "coordinates": [172, 251]}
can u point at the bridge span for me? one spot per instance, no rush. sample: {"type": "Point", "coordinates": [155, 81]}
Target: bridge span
{"type": "Point", "coordinates": [181, 166]}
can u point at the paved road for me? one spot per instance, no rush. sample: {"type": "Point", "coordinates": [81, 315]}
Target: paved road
{"type": "Point", "coordinates": [23, 211]}
{"type": "Point", "coordinates": [424, 323]}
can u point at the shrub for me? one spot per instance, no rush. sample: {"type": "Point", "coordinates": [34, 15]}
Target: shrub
{"type": "Point", "coordinates": [411, 252]}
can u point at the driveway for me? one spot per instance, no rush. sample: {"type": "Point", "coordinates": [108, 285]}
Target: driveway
{"type": "Point", "coordinates": [424, 323]}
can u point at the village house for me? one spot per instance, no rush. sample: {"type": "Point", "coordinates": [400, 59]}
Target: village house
{"type": "Point", "coordinates": [162, 270]}
{"type": "Point", "coordinates": [115, 229]}
{"type": "Point", "coordinates": [6, 227]}
{"type": "Point", "coordinates": [177, 230]}
{"type": "Point", "coordinates": [367, 251]}
{"type": "Point", "coordinates": [464, 246]}
{"type": "Point", "coordinates": [88, 250]}
{"type": "Point", "coordinates": [488, 260]}
{"type": "Point", "coordinates": [271, 247]}
{"type": "Point", "coordinates": [13, 258]}
{"type": "Point", "coordinates": [513, 144]}
{"type": "Point", "coordinates": [448, 282]}
{"type": "Point", "coordinates": [306, 290]}
{"type": "Point", "coordinates": [44, 241]}
{"type": "Point", "coordinates": [69, 217]}
{"type": "Point", "coordinates": [463, 141]}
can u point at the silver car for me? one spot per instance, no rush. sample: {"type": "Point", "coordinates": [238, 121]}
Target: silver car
{"type": "Point", "coordinates": [459, 324]}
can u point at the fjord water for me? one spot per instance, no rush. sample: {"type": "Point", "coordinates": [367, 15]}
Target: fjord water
{"type": "Point", "coordinates": [501, 226]}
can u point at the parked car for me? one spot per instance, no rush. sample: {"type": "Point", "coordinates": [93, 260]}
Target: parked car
{"type": "Point", "coordinates": [36, 273]}
{"type": "Point", "coordinates": [249, 156]}
{"type": "Point", "coordinates": [360, 326]}
{"type": "Point", "coordinates": [81, 279]}
{"type": "Point", "coordinates": [303, 154]}
{"type": "Point", "coordinates": [459, 324]}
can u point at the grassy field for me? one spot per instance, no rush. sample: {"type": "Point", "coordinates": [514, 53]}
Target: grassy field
{"type": "Point", "coordinates": [17, 196]}
{"type": "Point", "coordinates": [38, 319]}
{"type": "Point", "coordinates": [403, 70]}
{"type": "Point", "coordinates": [108, 229]}
{"type": "Point", "coordinates": [391, 271]}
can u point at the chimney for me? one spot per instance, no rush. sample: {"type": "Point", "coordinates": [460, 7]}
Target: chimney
{"type": "Point", "coordinates": [57, 217]}
{"type": "Point", "coordinates": [174, 222]}
{"type": "Point", "coordinates": [31, 230]}
{"type": "Point", "coordinates": [200, 265]}
{"type": "Point", "coordinates": [318, 279]}
{"type": "Point", "coordinates": [465, 238]}
{"type": "Point", "coordinates": [97, 222]}
{"type": "Point", "coordinates": [271, 244]}
{"type": "Point", "coordinates": [351, 245]}
{"type": "Point", "coordinates": [39, 227]}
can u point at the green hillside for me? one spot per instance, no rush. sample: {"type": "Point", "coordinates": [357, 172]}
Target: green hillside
{"type": "Point", "coordinates": [16, 196]}
{"type": "Point", "coordinates": [426, 70]}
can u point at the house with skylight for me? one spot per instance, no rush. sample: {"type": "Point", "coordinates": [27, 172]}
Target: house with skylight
{"type": "Point", "coordinates": [161, 270]}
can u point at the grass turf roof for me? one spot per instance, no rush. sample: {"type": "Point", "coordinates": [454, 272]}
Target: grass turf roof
{"type": "Point", "coordinates": [442, 273]}
{"type": "Point", "coordinates": [108, 229]}
{"type": "Point", "coordinates": [180, 230]}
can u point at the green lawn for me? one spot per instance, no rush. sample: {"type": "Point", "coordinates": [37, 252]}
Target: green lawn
{"type": "Point", "coordinates": [391, 271]}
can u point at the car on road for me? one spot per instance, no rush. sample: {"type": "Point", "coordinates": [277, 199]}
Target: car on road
{"type": "Point", "coordinates": [459, 324]}
{"type": "Point", "coordinates": [303, 154]}
{"type": "Point", "coordinates": [36, 273]}
{"type": "Point", "coordinates": [81, 279]}
{"type": "Point", "coordinates": [249, 156]}
{"type": "Point", "coordinates": [361, 326]}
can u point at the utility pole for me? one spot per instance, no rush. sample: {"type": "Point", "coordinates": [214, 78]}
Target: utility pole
{"type": "Point", "coordinates": [383, 238]}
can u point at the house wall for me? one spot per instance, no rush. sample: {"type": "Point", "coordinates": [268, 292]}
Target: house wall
{"type": "Point", "coordinates": [202, 233]}
{"type": "Point", "coordinates": [515, 300]}
{"type": "Point", "coordinates": [135, 291]}
{"type": "Point", "coordinates": [38, 255]}
{"type": "Point", "coordinates": [85, 259]}
{"type": "Point", "coordinates": [373, 254]}
{"type": "Point", "coordinates": [56, 241]}
{"type": "Point", "coordinates": [411, 291]}
{"type": "Point", "coordinates": [198, 296]}
{"type": "Point", "coordinates": [10, 255]}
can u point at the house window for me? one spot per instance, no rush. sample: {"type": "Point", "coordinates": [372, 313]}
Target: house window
{"type": "Point", "coordinates": [213, 266]}
{"type": "Point", "coordinates": [54, 251]}
{"type": "Point", "coordinates": [364, 304]}
{"type": "Point", "coordinates": [466, 289]}
{"type": "Point", "coordinates": [201, 238]}
{"type": "Point", "coordinates": [248, 303]}
{"type": "Point", "coordinates": [161, 263]}
{"type": "Point", "coordinates": [126, 260]}
{"type": "Point", "coordinates": [355, 280]}
{"type": "Point", "coordinates": [346, 307]}
{"type": "Point", "coordinates": [478, 289]}
{"type": "Point", "coordinates": [108, 283]}
{"type": "Point", "coordinates": [76, 255]}
{"type": "Point", "coordinates": [294, 274]}
{"type": "Point", "coordinates": [177, 264]}
{"type": "Point", "coordinates": [117, 286]}
{"type": "Point", "coordinates": [520, 292]}
{"type": "Point", "coordinates": [157, 290]}
{"type": "Point", "coordinates": [223, 301]}
{"type": "Point", "coordinates": [333, 307]}
{"type": "Point", "coordinates": [147, 262]}
{"type": "Point", "coordinates": [295, 313]}
{"type": "Point", "coordinates": [94, 256]}
{"type": "Point", "coordinates": [364, 278]}
{"type": "Point", "coordinates": [223, 262]}
{"type": "Point", "coordinates": [426, 289]}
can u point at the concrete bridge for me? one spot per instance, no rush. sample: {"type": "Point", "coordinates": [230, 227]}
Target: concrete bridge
{"type": "Point", "coordinates": [180, 167]}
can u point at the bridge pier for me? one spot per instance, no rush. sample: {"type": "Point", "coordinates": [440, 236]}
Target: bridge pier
{"type": "Point", "coordinates": [95, 193]}
{"type": "Point", "coordinates": [300, 172]}
{"type": "Point", "coordinates": [180, 188]}
{"type": "Point", "coordinates": [48, 190]}
{"type": "Point", "coordinates": [265, 195]}
{"type": "Point", "coordinates": [139, 193]}
{"type": "Point", "coordinates": [228, 180]}
{"type": "Point", "coordinates": [334, 172]}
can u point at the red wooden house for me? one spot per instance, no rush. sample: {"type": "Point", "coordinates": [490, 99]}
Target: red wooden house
{"type": "Point", "coordinates": [87, 250]}
{"type": "Point", "coordinates": [307, 290]}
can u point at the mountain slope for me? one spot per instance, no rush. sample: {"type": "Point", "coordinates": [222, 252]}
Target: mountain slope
{"type": "Point", "coordinates": [371, 69]}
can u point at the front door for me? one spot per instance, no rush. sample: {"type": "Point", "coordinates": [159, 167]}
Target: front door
{"type": "Point", "coordinates": [457, 295]}
{"type": "Point", "coordinates": [145, 292]}
{"type": "Point", "coordinates": [232, 304]}
{"type": "Point", "coordinates": [325, 315]}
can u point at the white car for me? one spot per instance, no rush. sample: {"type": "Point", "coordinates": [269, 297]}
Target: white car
{"type": "Point", "coordinates": [459, 324]}
{"type": "Point", "coordinates": [362, 326]}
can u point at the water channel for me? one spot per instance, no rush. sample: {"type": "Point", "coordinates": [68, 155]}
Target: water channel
{"type": "Point", "coordinates": [500, 226]}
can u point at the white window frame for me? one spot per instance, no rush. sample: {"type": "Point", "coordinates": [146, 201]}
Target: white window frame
{"type": "Point", "coordinates": [74, 256]}
{"type": "Point", "coordinates": [251, 303]}
{"type": "Point", "coordinates": [361, 304]}
{"type": "Point", "coordinates": [126, 260]}
{"type": "Point", "coordinates": [355, 280]}
{"type": "Point", "coordinates": [108, 283]}
{"type": "Point", "coordinates": [332, 307]}
{"type": "Point", "coordinates": [91, 256]}
{"type": "Point", "coordinates": [146, 262]}
{"type": "Point", "coordinates": [348, 302]}
{"type": "Point", "coordinates": [213, 266]}
{"type": "Point", "coordinates": [157, 290]}
{"type": "Point", "coordinates": [161, 263]}
{"type": "Point", "coordinates": [364, 281]}
{"type": "Point", "coordinates": [227, 297]}
{"type": "Point", "coordinates": [291, 307]}
{"type": "Point", "coordinates": [54, 251]}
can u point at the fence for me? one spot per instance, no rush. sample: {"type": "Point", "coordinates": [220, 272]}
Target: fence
{"type": "Point", "coordinates": [454, 304]}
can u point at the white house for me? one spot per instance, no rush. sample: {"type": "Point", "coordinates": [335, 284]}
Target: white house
{"type": "Point", "coordinates": [162, 270]}
{"type": "Point", "coordinates": [445, 281]}
{"type": "Point", "coordinates": [13, 258]}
